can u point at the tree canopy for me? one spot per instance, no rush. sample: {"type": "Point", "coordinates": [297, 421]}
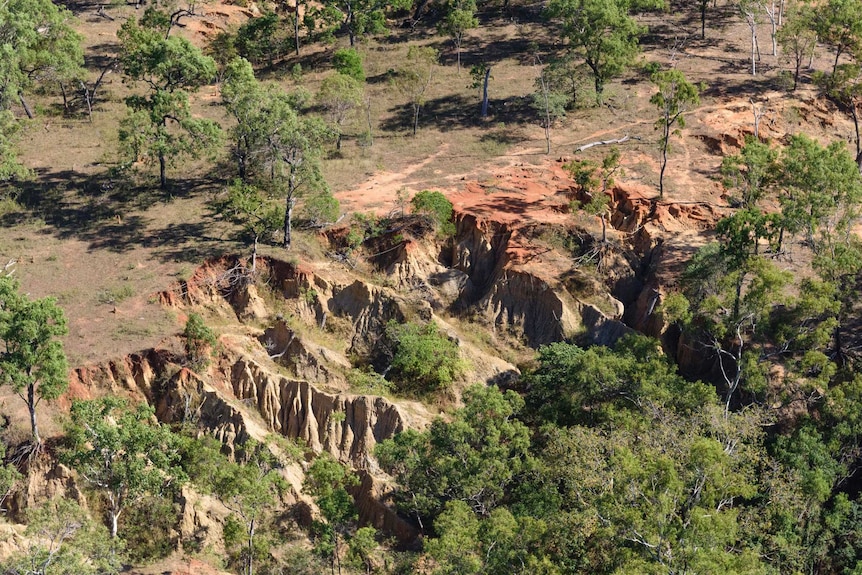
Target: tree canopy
{"type": "Point", "coordinates": [160, 127]}
{"type": "Point", "coordinates": [32, 361]}
{"type": "Point", "coordinates": [602, 32]}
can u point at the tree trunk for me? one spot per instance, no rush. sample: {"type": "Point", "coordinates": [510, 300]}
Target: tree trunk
{"type": "Point", "coordinates": [163, 178]}
{"type": "Point", "coordinates": [288, 217]}
{"type": "Point", "coordinates": [772, 20]}
{"type": "Point", "coordinates": [296, 26]}
{"type": "Point", "coordinates": [837, 56]}
{"type": "Point", "coordinates": [604, 229]}
{"type": "Point", "coordinates": [31, 406]}
{"type": "Point", "coordinates": [855, 115]}
{"type": "Point", "coordinates": [115, 518]}
{"type": "Point", "coordinates": [415, 118]}
{"type": "Point", "coordinates": [87, 100]}
{"type": "Point", "coordinates": [485, 92]}
{"type": "Point", "coordinates": [24, 105]}
{"type": "Point", "coordinates": [664, 146]}
{"type": "Point", "coordinates": [338, 141]}
{"type": "Point", "coordinates": [796, 73]}
{"type": "Point", "coordinates": [753, 49]}
{"type": "Point", "coordinates": [703, 19]}
{"type": "Point", "coordinates": [337, 555]}
{"type": "Point", "coordinates": [368, 120]}
{"type": "Point", "coordinates": [65, 98]}
{"type": "Point", "coordinates": [420, 7]}
{"type": "Point", "coordinates": [250, 570]}
{"type": "Point", "coordinates": [548, 113]}
{"type": "Point", "coordinates": [254, 256]}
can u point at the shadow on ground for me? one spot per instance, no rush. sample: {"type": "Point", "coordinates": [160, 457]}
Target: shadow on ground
{"type": "Point", "coordinates": [111, 213]}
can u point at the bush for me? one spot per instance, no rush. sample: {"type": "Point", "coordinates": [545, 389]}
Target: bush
{"type": "Point", "coordinates": [437, 207]}
{"type": "Point", "coordinates": [199, 340]}
{"type": "Point", "coordinates": [424, 360]}
{"type": "Point", "coordinates": [347, 61]}
{"type": "Point", "coordinates": [320, 209]}
{"type": "Point", "coordinates": [147, 527]}
{"type": "Point", "coordinates": [368, 381]}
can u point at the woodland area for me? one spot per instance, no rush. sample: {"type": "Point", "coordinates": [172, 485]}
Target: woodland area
{"type": "Point", "coordinates": [659, 374]}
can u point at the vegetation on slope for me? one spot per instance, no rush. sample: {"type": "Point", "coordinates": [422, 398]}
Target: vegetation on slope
{"type": "Point", "coordinates": [598, 460]}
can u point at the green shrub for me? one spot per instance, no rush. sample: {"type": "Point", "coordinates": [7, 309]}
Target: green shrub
{"type": "Point", "coordinates": [321, 208]}
{"type": "Point", "coordinates": [436, 206]}
{"type": "Point", "coordinates": [147, 527]}
{"type": "Point", "coordinates": [199, 340]}
{"type": "Point", "coordinates": [368, 381]}
{"type": "Point", "coordinates": [423, 360]}
{"type": "Point", "coordinates": [348, 61]}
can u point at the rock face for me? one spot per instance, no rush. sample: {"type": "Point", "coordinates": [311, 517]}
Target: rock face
{"type": "Point", "coordinates": [45, 478]}
{"type": "Point", "coordinates": [510, 296]}
{"type": "Point", "coordinates": [296, 409]}
{"type": "Point", "coordinates": [305, 359]}
{"type": "Point", "coordinates": [369, 308]}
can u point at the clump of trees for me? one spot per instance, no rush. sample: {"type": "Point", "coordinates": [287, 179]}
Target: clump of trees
{"type": "Point", "coordinates": [276, 147]}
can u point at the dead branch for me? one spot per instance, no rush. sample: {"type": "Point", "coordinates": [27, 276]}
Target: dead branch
{"type": "Point", "coordinates": [101, 12]}
{"type": "Point", "coordinates": [624, 139]}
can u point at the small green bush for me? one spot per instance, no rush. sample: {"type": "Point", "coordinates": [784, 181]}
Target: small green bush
{"type": "Point", "coordinates": [115, 295]}
{"type": "Point", "coordinates": [348, 61]}
{"type": "Point", "coordinates": [199, 340]}
{"type": "Point", "coordinates": [368, 381]}
{"type": "Point", "coordinates": [424, 360]}
{"type": "Point", "coordinates": [438, 207]}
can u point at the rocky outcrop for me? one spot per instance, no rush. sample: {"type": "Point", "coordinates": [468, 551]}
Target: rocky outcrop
{"type": "Point", "coordinates": [136, 375]}
{"type": "Point", "coordinates": [503, 290]}
{"type": "Point", "coordinates": [202, 520]}
{"type": "Point", "coordinates": [369, 308]}
{"type": "Point", "coordinates": [346, 426]}
{"type": "Point", "coordinates": [44, 478]}
{"type": "Point", "coordinates": [480, 251]}
{"type": "Point", "coordinates": [521, 299]}
{"type": "Point", "coordinates": [307, 360]}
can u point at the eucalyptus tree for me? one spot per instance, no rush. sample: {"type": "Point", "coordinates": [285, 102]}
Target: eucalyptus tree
{"type": "Point", "coordinates": [32, 361]}
{"type": "Point", "coordinates": [38, 45]}
{"type": "Point", "coordinates": [798, 38]}
{"type": "Point", "coordinates": [603, 33]}
{"type": "Point", "coordinates": [159, 127]}
{"type": "Point", "coordinates": [358, 17]}
{"type": "Point", "coordinates": [675, 96]}
{"type": "Point", "coordinates": [838, 25]}
{"type": "Point", "coordinates": [340, 96]}
{"type": "Point", "coordinates": [460, 16]}
{"type": "Point", "coordinates": [277, 146]}
{"type": "Point", "coordinates": [414, 78]}
{"type": "Point", "coordinates": [122, 452]}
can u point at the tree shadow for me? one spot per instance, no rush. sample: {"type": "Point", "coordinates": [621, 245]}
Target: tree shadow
{"type": "Point", "coordinates": [445, 113]}
{"type": "Point", "coordinates": [96, 209]}
{"type": "Point", "coordinates": [187, 242]}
